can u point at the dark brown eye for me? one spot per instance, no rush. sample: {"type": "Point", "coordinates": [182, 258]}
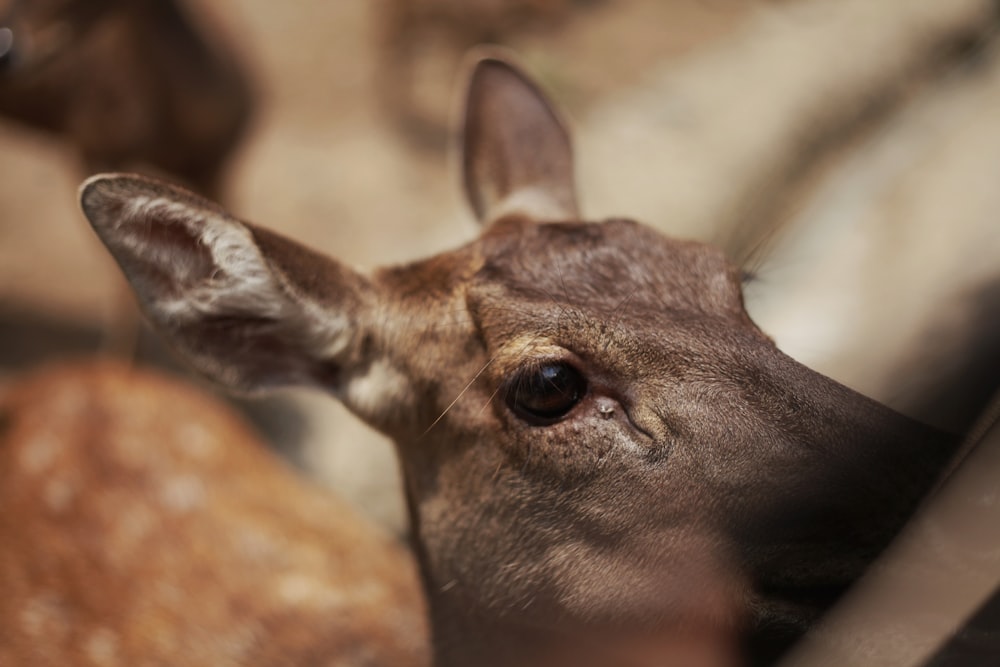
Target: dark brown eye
{"type": "Point", "coordinates": [543, 394]}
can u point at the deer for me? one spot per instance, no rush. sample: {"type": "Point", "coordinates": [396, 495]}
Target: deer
{"type": "Point", "coordinates": [144, 524]}
{"type": "Point", "coordinates": [128, 85]}
{"type": "Point", "coordinates": [600, 449]}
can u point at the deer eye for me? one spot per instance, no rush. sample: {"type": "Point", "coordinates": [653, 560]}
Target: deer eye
{"type": "Point", "coordinates": [545, 393]}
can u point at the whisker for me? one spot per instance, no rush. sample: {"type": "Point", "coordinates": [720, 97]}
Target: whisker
{"type": "Point", "coordinates": [490, 399]}
{"type": "Point", "coordinates": [496, 473]}
{"type": "Point", "coordinates": [457, 398]}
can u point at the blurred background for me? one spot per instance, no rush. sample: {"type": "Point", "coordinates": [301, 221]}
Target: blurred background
{"type": "Point", "coordinates": [846, 152]}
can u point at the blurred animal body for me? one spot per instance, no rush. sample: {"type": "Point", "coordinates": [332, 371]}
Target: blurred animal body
{"type": "Point", "coordinates": [129, 84]}
{"type": "Point", "coordinates": [601, 449]}
{"type": "Point", "coordinates": [142, 524]}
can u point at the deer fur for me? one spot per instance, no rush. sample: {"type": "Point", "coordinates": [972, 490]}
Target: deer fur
{"type": "Point", "coordinates": [143, 524]}
{"type": "Point", "coordinates": [597, 441]}
{"type": "Point", "coordinates": [129, 84]}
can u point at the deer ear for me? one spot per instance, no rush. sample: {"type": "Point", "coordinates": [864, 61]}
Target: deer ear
{"type": "Point", "coordinates": [517, 155]}
{"type": "Point", "coordinates": [247, 307]}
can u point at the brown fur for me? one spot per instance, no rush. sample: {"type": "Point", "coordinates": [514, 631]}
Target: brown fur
{"type": "Point", "coordinates": [142, 524]}
{"type": "Point", "coordinates": [700, 483]}
{"type": "Point", "coordinates": [129, 84]}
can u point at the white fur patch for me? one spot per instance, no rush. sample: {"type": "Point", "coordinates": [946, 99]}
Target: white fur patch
{"type": "Point", "coordinates": [381, 388]}
{"type": "Point", "coordinates": [101, 647]}
{"type": "Point", "coordinates": [182, 494]}
{"type": "Point", "coordinates": [40, 453]}
{"type": "Point", "coordinates": [536, 203]}
{"type": "Point", "coordinates": [59, 494]}
{"type": "Point", "coordinates": [44, 618]}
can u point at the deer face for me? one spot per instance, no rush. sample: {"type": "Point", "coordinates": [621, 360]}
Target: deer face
{"type": "Point", "coordinates": [593, 432]}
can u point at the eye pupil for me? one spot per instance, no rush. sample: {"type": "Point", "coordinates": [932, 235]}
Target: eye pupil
{"type": "Point", "coordinates": [546, 392]}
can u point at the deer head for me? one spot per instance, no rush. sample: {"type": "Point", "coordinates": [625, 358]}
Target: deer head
{"type": "Point", "coordinates": [595, 436]}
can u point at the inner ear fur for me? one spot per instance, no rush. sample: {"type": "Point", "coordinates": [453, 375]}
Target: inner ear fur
{"type": "Point", "coordinates": [246, 306]}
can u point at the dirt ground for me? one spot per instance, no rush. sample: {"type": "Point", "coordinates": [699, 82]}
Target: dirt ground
{"type": "Point", "coordinates": [324, 164]}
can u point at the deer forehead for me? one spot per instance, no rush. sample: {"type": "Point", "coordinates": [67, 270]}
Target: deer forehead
{"type": "Point", "coordinates": [615, 267]}
{"type": "Point", "coordinates": [597, 290]}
